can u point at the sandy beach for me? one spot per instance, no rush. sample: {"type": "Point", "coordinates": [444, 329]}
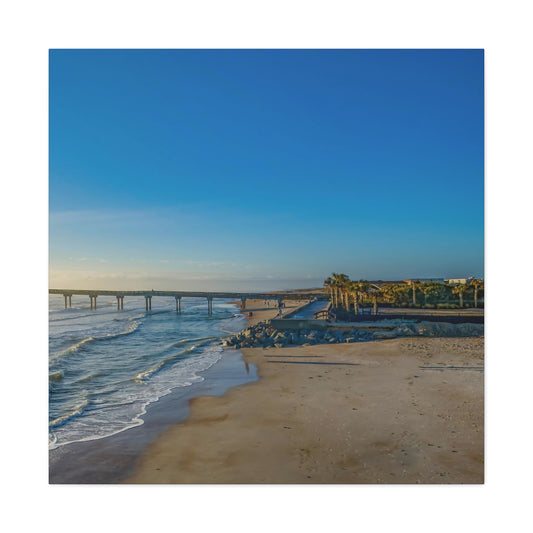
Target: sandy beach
{"type": "Point", "coordinates": [406, 410]}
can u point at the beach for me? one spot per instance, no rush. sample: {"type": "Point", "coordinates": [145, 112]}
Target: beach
{"type": "Point", "coordinates": [404, 410]}
{"type": "Point", "coordinates": [117, 379]}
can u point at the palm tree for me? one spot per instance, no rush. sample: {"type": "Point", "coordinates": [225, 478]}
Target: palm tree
{"type": "Point", "coordinates": [395, 293]}
{"type": "Point", "coordinates": [389, 292]}
{"type": "Point", "coordinates": [335, 289]}
{"type": "Point", "coordinates": [364, 288]}
{"type": "Point", "coordinates": [460, 290]}
{"type": "Point", "coordinates": [341, 283]}
{"type": "Point", "coordinates": [375, 293]}
{"type": "Point", "coordinates": [430, 289]}
{"type": "Point", "coordinates": [413, 283]}
{"type": "Point", "coordinates": [356, 289]}
{"type": "Point", "coordinates": [477, 284]}
{"type": "Point", "coordinates": [353, 291]}
{"type": "Point", "coordinates": [328, 285]}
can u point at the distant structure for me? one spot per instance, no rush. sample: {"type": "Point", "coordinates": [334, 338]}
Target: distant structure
{"type": "Point", "coordinates": [424, 280]}
{"type": "Point", "coordinates": [459, 281]}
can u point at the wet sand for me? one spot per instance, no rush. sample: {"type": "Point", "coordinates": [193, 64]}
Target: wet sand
{"type": "Point", "coordinates": [112, 459]}
{"type": "Point", "coordinates": [404, 410]}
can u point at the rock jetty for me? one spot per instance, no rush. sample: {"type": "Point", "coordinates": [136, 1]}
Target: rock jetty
{"type": "Point", "coordinates": [263, 335]}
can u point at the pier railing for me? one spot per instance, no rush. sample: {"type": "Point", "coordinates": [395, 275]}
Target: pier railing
{"type": "Point", "coordinates": [326, 314]}
{"type": "Point", "coordinates": [178, 295]}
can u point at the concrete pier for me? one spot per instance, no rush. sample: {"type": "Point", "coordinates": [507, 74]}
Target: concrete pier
{"type": "Point", "coordinates": [178, 295]}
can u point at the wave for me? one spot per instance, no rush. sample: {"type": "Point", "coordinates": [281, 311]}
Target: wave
{"type": "Point", "coordinates": [105, 399]}
{"type": "Point", "coordinates": [78, 345]}
{"type": "Point", "coordinates": [72, 349]}
{"type": "Point", "coordinates": [143, 376]}
{"type": "Point", "coordinates": [75, 313]}
{"type": "Point", "coordinates": [87, 378]}
{"type": "Point", "coordinates": [77, 411]}
{"type": "Point", "coordinates": [56, 376]}
{"type": "Point", "coordinates": [185, 341]}
{"type": "Point", "coordinates": [108, 419]}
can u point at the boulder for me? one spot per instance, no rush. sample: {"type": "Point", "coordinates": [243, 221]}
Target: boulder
{"type": "Point", "coordinates": [294, 338]}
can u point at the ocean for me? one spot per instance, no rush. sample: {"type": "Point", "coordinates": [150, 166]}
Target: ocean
{"type": "Point", "coordinates": [107, 366]}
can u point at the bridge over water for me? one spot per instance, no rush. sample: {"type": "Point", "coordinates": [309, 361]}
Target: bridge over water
{"type": "Point", "coordinates": [178, 295]}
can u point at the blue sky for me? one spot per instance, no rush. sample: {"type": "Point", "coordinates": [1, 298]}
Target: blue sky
{"type": "Point", "coordinates": [264, 168]}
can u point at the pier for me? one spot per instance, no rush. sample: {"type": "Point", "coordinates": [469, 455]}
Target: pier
{"type": "Point", "coordinates": [178, 295]}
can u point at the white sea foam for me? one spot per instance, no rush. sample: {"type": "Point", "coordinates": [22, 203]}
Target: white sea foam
{"type": "Point", "coordinates": [120, 367]}
{"type": "Point", "coordinates": [78, 410]}
{"type": "Point", "coordinates": [75, 347]}
{"type": "Point", "coordinates": [56, 376]}
{"type": "Point", "coordinates": [128, 407]}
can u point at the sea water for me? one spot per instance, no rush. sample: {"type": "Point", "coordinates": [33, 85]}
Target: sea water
{"type": "Point", "coordinates": [106, 366]}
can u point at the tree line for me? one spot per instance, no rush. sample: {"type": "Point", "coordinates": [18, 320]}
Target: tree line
{"type": "Point", "coordinates": [351, 295]}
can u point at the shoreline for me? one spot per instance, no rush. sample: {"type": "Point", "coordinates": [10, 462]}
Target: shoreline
{"type": "Point", "coordinates": [112, 459]}
{"type": "Point", "coordinates": [311, 417]}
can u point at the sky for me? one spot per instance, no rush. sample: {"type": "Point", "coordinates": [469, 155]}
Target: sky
{"type": "Point", "coordinates": [264, 169]}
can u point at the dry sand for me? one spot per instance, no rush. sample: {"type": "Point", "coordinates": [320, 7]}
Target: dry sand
{"type": "Point", "coordinates": [354, 413]}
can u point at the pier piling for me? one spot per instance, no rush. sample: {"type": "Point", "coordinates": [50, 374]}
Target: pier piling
{"type": "Point", "coordinates": [119, 294]}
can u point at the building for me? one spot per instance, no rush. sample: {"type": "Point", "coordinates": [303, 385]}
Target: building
{"type": "Point", "coordinates": [459, 281]}
{"type": "Point", "coordinates": [424, 280]}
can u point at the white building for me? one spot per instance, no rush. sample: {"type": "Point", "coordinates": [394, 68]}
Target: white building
{"type": "Point", "coordinates": [424, 280]}
{"type": "Point", "coordinates": [459, 281]}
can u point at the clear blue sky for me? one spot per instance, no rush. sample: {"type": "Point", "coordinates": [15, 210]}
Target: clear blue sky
{"type": "Point", "coordinates": [264, 168]}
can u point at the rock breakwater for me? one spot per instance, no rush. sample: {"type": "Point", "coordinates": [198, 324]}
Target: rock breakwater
{"type": "Point", "coordinates": [263, 335]}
